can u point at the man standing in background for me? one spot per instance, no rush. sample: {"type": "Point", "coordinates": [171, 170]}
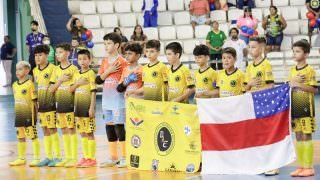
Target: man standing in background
{"type": "Point", "coordinates": [8, 51]}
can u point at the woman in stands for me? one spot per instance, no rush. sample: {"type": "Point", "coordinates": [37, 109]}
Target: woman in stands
{"type": "Point", "coordinates": [274, 24]}
{"type": "Point", "coordinates": [75, 27]}
{"type": "Point", "coordinates": [124, 40]}
{"type": "Point", "coordinates": [247, 25]}
{"type": "Point", "coordinates": [138, 36]}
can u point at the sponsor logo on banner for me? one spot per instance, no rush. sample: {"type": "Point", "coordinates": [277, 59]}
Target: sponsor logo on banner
{"type": "Point", "coordinates": [138, 108]}
{"type": "Point", "coordinates": [136, 121]}
{"type": "Point", "coordinates": [190, 168]}
{"type": "Point", "coordinates": [187, 130]}
{"type": "Point", "coordinates": [135, 141]}
{"type": "Point", "coordinates": [172, 168]}
{"type": "Point", "coordinates": [192, 145]}
{"type": "Point", "coordinates": [175, 109]}
{"type": "Point", "coordinates": [155, 164]}
{"type": "Point", "coordinates": [134, 161]}
{"type": "Point", "coordinates": [164, 139]}
{"type": "Point", "coordinates": [157, 111]}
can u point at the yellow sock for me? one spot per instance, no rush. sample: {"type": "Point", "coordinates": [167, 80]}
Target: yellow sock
{"type": "Point", "coordinates": [74, 146]}
{"type": "Point", "coordinates": [299, 150]}
{"type": "Point", "coordinates": [22, 150]}
{"type": "Point", "coordinates": [122, 149]}
{"type": "Point", "coordinates": [36, 148]}
{"type": "Point", "coordinates": [48, 146]}
{"type": "Point", "coordinates": [113, 150]}
{"type": "Point", "coordinates": [85, 147]}
{"type": "Point", "coordinates": [308, 154]}
{"type": "Point", "coordinates": [92, 149]}
{"type": "Point", "coordinates": [56, 145]}
{"type": "Point", "coordinates": [66, 146]}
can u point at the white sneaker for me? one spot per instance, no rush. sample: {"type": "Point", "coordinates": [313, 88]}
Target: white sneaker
{"type": "Point", "coordinates": [122, 163]}
{"type": "Point", "coordinates": [109, 163]}
{"type": "Point", "coordinates": [272, 172]}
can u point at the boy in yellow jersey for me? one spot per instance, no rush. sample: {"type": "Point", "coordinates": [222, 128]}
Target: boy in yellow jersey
{"type": "Point", "coordinates": [84, 88]}
{"type": "Point", "coordinates": [46, 105]}
{"type": "Point", "coordinates": [25, 97]}
{"type": "Point", "coordinates": [154, 75]}
{"type": "Point", "coordinates": [259, 72]}
{"type": "Point", "coordinates": [302, 79]}
{"type": "Point", "coordinates": [180, 83]}
{"type": "Point", "coordinates": [205, 77]}
{"type": "Point", "coordinates": [61, 80]}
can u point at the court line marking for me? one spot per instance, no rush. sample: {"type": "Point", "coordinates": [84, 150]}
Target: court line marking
{"type": "Point", "coordinates": [106, 174]}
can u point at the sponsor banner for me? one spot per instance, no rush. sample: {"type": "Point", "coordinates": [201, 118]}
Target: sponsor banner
{"type": "Point", "coordinates": [163, 136]}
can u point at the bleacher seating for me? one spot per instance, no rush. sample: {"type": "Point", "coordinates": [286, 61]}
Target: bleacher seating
{"type": "Point", "coordinates": [101, 16]}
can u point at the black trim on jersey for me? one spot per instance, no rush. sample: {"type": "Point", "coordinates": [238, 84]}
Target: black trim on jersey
{"type": "Point", "coordinates": [298, 69]}
{"type": "Point", "coordinates": [231, 73]}
{"type": "Point", "coordinates": [65, 67]}
{"type": "Point", "coordinates": [93, 90]}
{"type": "Point", "coordinates": [217, 87]}
{"type": "Point", "coordinates": [43, 68]}
{"type": "Point", "coordinates": [269, 81]}
{"type": "Point", "coordinates": [190, 86]}
{"type": "Point", "coordinates": [99, 80]}
{"type": "Point", "coordinates": [51, 82]}
{"type": "Point", "coordinates": [204, 70]}
{"type": "Point", "coordinates": [153, 64]}
{"type": "Point", "coordinates": [85, 71]}
{"type": "Point", "coordinates": [255, 65]}
{"type": "Point", "coordinates": [22, 82]}
{"type": "Point", "coordinates": [173, 71]}
{"type": "Point", "coordinates": [121, 88]}
{"type": "Point", "coordinates": [166, 82]}
{"type": "Point", "coordinates": [245, 83]}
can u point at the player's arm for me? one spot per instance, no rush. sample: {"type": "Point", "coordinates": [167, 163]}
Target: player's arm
{"type": "Point", "coordinates": [186, 94]}
{"type": "Point", "coordinates": [310, 9]}
{"type": "Point", "coordinates": [92, 110]}
{"type": "Point", "coordinates": [107, 71]}
{"type": "Point", "coordinates": [298, 82]}
{"type": "Point", "coordinates": [134, 92]}
{"type": "Point", "coordinates": [54, 86]}
{"type": "Point", "coordinates": [212, 93]}
{"type": "Point", "coordinates": [78, 83]}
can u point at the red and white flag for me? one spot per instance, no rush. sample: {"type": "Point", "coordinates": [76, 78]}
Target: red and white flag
{"type": "Point", "coordinates": [247, 134]}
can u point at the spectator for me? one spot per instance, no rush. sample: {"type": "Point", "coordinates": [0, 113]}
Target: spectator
{"type": "Point", "coordinates": [8, 51]}
{"type": "Point", "coordinates": [124, 40]}
{"type": "Point", "coordinates": [32, 40]}
{"type": "Point", "coordinates": [51, 56]}
{"type": "Point", "coordinates": [138, 36]}
{"type": "Point", "coordinates": [274, 24]}
{"type": "Point", "coordinates": [75, 48]}
{"type": "Point", "coordinates": [199, 10]}
{"type": "Point", "coordinates": [239, 45]}
{"type": "Point", "coordinates": [214, 41]}
{"type": "Point", "coordinates": [75, 27]}
{"type": "Point", "coordinates": [249, 3]}
{"type": "Point", "coordinates": [248, 22]}
{"type": "Point", "coordinates": [150, 13]}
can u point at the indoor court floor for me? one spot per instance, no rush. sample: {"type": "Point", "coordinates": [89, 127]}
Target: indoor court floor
{"type": "Point", "coordinates": [8, 153]}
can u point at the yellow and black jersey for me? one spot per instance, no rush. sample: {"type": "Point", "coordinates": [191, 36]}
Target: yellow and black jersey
{"type": "Point", "coordinates": [178, 81]}
{"type": "Point", "coordinates": [25, 96]}
{"type": "Point", "coordinates": [303, 102]}
{"type": "Point", "coordinates": [154, 80]}
{"type": "Point", "coordinates": [64, 98]}
{"type": "Point", "coordinates": [42, 77]}
{"type": "Point", "coordinates": [262, 71]}
{"type": "Point", "coordinates": [82, 97]}
{"type": "Point", "coordinates": [205, 80]}
{"type": "Point", "coordinates": [230, 84]}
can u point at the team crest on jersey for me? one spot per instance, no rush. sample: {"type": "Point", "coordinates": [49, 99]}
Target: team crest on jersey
{"type": "Point", "coordinates": [259, 74]}
{"type": "Point", "coordinates": [233, 83]}
{"type": "Point", "coordinates": [177, 78]}
{"type": "Point", "coordinates": [205, 80]}
{"type": "Point", "coordinates": [154, 74]}
{"type": "Point", "coordinates": [46, 76]}
{"type": "Point", "coordinates": [24, 91]}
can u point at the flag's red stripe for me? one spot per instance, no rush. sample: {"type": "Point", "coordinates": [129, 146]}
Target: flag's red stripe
{"type": "Point", "coordinates": [245, 134]}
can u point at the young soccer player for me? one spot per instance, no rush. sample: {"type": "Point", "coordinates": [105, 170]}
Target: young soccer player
{"type": "Point", "coordinates": [154, 75]}
{"type": "Point", "coordinates": [131, 78]}
{"type": "Point", "coordinates": [180, 83]}
{"type": "Point", "coordinates": [46, 105]}
{"type": "Point", "coordinates": [61, 80]}
{"type": "Point", "coordinates": [205, 77]}
{"type": "Point", "coordinates": [302, 79]}
{"type": "Point", "coordinates": [84, 88]}
{"type": "Point", "coordinates": [113, 105]}
{"type": "Point", "coordinates": [25, 97]}
{"type": "Point", "coordinates": [259, 73]}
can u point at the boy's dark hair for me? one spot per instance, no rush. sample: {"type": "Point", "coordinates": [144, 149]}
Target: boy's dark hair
{"type": "Point", "coordinates": [42, 49]}
{"type": "Point", "coordinates": [230, 50]}
{"type": "Point", "coordinates": [153, 44]}
{"type": "Point", "coordinates": [175, 47]}
{"type": "Point", "coordinates": [34, 23]}
{"type": "Point", "coordinates": [303, 44]}
{"type": "Point", "coordinates": [64, 46]}
{"type": "Point", "coordinates": [201, 50]}
{"type": "Point", "coordinates": [114, 37]}
{"type": "Point", "coordinates": [260, 40]}
{"type": "Point", "coordinates": [233, 29]}
{"type": "Point", "coordinates": [84, 52]}
{"type": "Point", "coordinates": [135, 47]}
{"type": "Point", "coordinates": [75, 38]}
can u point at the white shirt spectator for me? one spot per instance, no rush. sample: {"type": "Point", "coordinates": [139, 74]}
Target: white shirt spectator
{"type": "Point", "coordinates": [239, 45]}
{"type": "Point", "coordinates": [149, 5]}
